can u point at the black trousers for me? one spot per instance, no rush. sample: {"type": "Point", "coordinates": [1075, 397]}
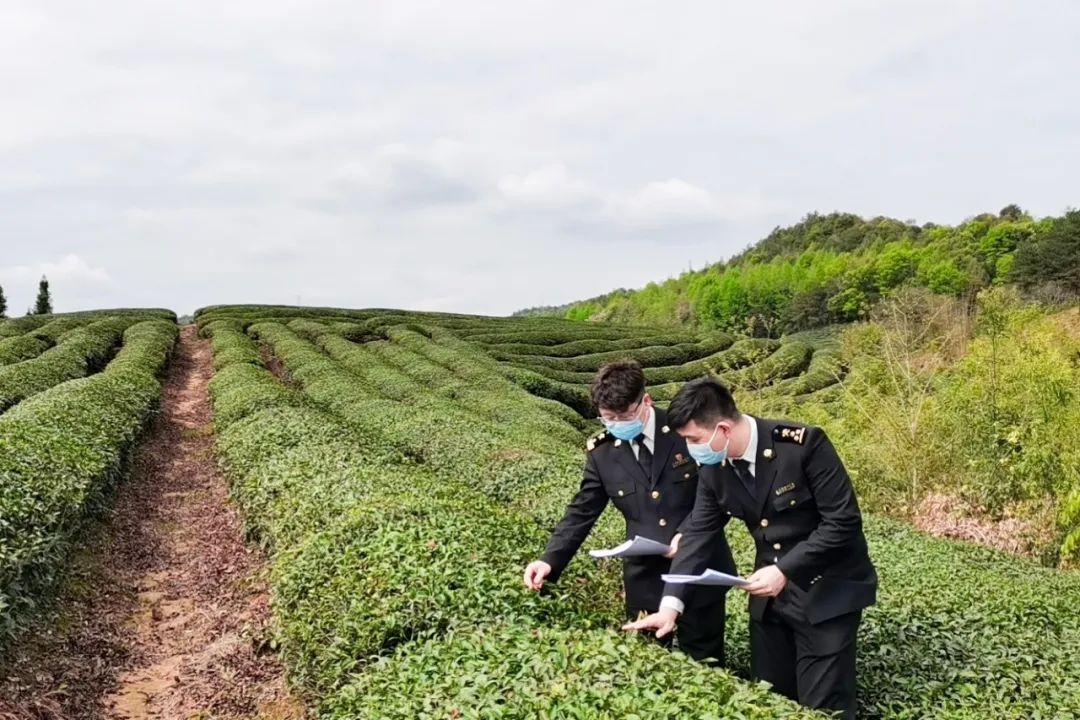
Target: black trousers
{"type": "Point", "coordinates": [700, 632]}
{"type": "Point", "coordinates": [811, 664]}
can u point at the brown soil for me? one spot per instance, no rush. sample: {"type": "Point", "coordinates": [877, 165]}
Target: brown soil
{"type": "Point", "coordinates": [1069, 321]}
{"type": "Point", "coordinates": [276, 367]}
{"type": "Point", "coordinates": [1027, 531]}
{"type": "Point", "coordinates": [165, 613]}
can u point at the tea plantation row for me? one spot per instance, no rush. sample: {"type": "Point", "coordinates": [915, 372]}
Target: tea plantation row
{"type": "Point", "coordinates": [74, 413]}
{"type": "Point", "coordinates": [401, 477]}
{"type": "Point", "coordinates": [399, 514]}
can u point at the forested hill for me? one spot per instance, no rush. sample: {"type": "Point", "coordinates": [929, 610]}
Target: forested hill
{"type": "Point", "coordinates": [834, 268]}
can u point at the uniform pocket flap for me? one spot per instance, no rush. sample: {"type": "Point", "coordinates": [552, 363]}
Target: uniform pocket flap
{"type": "Point", "coordinates": [790, 495]}
{"type": "Point", "coordinates": [618, 491]}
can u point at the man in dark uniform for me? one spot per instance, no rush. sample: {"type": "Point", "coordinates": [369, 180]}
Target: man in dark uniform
{"type": "Point", "coordinates": [812, 572]}
{"type": "Point", "coordinates": [644, 468]}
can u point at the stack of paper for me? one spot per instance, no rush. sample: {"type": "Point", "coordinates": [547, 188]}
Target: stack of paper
{"type": "Point", "coordinates": [637, 547]}
{"type": "Point", "coordinates": [709, 577]}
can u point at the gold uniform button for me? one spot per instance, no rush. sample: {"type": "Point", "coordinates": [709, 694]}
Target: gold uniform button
{"type": "Point", "coordinates": [686, 476]}
{"type": "Point", "coordinates": [792, 503]}
{"type": "Point", "coordinates": [621, 493]}
{"type": "Point", "coordinates": [663, 522]}
{"type": "Point", "coordinates": [776, 546]}
{"type": "Point", "coordinates": [764, 522]}
{"type": "Point", "coordinates": [655, 494]}
{"type": "Point", "coordinates": [775, 560]}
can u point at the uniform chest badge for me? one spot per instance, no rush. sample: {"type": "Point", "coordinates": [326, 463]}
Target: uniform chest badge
{"type": "Point", "coordinates": [680, 460]}
{"type": "Point", "coordinates": [785, 488]}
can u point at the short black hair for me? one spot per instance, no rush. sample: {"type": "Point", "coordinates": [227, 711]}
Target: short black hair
{"type": "Point", "coordinates": [706, 401]}
{"type": "Point", "coordinates": [618, 385]}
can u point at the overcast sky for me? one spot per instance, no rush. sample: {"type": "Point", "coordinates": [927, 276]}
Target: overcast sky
{"type": "Point", "coordinates": [487, 156]}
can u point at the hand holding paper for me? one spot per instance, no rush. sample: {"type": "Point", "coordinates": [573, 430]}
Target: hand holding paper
{"type": "Point", "coordinates": [709, 577]}
{"type": "Point", "coordinates": [637, 547]}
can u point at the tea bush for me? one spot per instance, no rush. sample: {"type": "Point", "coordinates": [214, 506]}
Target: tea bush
{"type": "Point", "coordinates": [60, 451]}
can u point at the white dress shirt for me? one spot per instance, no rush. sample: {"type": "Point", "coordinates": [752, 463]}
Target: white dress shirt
{"type": "Point", "coordinates": [650, 433]}
{"type": "Point", "coordinates": [750, 456]}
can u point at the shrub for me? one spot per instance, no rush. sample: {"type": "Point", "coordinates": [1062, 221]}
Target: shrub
{"type": "Point", "coordinates": [742, 353]}
{"type": "Point", "coordinates": [21, 347]}
{"type": "Point", "coordinates": [373, 485]}
{"type": "Point", "coordinates": [649, 356]}
{"type": "Point", "coordinates": [60, 451]}
{"type": "Point", "coordinates": [519, 673]}
{"type": "Point", "coordinates": [79, 352]}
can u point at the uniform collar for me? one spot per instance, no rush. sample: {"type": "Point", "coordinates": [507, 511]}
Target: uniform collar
{"type": "Point", "coordinates": [750, 453]}
{"type": "Point", "coordinates": [650, 427]}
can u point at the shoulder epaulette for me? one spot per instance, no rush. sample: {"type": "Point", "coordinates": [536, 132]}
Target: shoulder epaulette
{"type": "Point", "coordinates": [596, 439]}
{"type": "Point", "coordinates": [789, 434]}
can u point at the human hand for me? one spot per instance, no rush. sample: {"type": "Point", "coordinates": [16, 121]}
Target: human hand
{"type": "Point", "coordinates": [674, 546]}
{"type": "Point", "coordinates": [663, 622]}
{"type": "Point", "coordinates": [769, 581]}
{"type": "Point", "coordinates": [535, 573]}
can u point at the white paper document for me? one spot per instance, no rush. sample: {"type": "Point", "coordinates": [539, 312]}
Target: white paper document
{"type": "Point", "coordinates": [709, 577]}
{"type": "Point", "coordinates": [637, 547]}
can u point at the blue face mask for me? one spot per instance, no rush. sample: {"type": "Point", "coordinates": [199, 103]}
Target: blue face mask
{"type": "Point", "coordinates": [625, 430]}
{"type": "Point", "coordinates": [704, 453]}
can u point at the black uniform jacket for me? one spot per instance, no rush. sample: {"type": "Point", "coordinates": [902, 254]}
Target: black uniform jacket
{"type": "Point", "coordinates": [655, 505]}
{"type": "Point", "coordinates": [803, 517]}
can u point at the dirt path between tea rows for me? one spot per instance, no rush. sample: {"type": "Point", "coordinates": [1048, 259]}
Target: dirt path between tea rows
{"type": "Point", "coordinates": [165, 615]}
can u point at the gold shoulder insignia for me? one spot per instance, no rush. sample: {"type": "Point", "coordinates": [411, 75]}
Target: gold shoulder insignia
{"type": "Point", "coordinates": [789, 434]}
{"type": "Point", "coordinates": [595, 440]}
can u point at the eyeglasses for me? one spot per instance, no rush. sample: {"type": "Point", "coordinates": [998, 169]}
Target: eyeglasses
{"type": "Point", "coordinates": [629, 414]}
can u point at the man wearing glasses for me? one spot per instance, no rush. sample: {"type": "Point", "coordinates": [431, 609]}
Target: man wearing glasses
{"type": "Point", "coordinates": [641, 465]}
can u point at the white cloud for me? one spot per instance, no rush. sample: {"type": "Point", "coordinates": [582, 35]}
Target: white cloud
{"type": "Point", "coordinates": [483, 157]}
{"type": "Point", "coordinates": [671, 201]}
{"type": "Point", "coordinates": [69, 269]}
{"type": "Point", "coordinates": [81, 282]}
{"type": "Point", "coordinates": [548, 187]}
{"type": "Point", "coordinates": [671, 204]}
{"type": "Point", "coordinates": [403, 177]}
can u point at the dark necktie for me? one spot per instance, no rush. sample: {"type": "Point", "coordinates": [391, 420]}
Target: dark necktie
{"type": "Point", "coordinates": [644, 456]}
{"type": "Point", "coordinates": [741, 469]}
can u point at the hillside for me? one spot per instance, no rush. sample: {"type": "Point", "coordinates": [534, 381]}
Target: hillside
{"type": "Point", "coordinates": [835, 268]}
{"type": "Point", "coordinates": [317, 413]}
{"type": "Point", "coordinates": [370, 451]}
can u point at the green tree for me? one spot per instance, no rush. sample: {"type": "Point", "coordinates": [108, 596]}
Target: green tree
{"type": "Point", "coordinates": [896, 264]}
{"type": "Point", "coordinates": [1012, 212]}
{"type": "Point", "coordinates": [849, 304]}
{"type": "Point", "coordinates": [581, 312]}
{"type": "Point", "coordinates": [1008, 408]}
{"type": "Point", "coordinates": [3, 304]}
{"type": "Point", "coordinates": [888, 397]}
{"type": "Point", "coordinates": [775, 285]}
{"type": "Point", "coordinates": [945, 278]}
{"type": "Point", "coordinates": [1052, 256]}
{"type": "Point", "coordinates": [807, 310]}
{"type": "Point", "coordinates": [43, 303]}
{"type": "Point", "coordinates": [724, 302]}
{"type": "Point", "coordinates": [1003, 268]}
{"type": "Point", "coordinates": [1001, 241]}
